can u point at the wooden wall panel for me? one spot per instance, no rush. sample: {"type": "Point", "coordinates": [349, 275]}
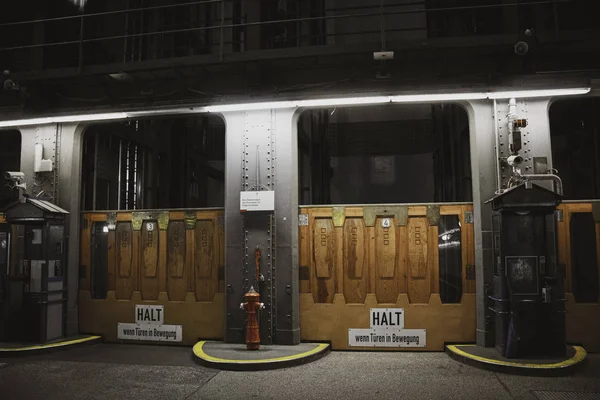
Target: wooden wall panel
{"type": "Point", "coordinates": [176, 254]}
{"type": "Point", "coordinates": [150, 245]}
{"type": "Point", "coordinates": [205, 260]}
{"type": "Point", "coordinates": [582, 321]}
{"type": "Point", "coordinates": [387, 279]}
{"type": "Point", "coordinates": [324, 260]}
{"type": "Point", "coordinates": [124, 262]}
{"type": "Point", "coordinates": [355, 260]}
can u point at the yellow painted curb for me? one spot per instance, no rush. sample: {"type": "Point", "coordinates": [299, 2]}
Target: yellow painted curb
{"type": "Point", "coordinates": [199, 352]}
{"type": "Point", "coordinates": [579, 356]}
{"type": "Point", "coordinates": [50, 345]}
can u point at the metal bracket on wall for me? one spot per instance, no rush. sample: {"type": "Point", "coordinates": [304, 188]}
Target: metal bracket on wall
{"type": "Point", "coordinates": [468, 217]}
{"type": "Point", "coordinates": [190, 219]}
{"type": "Point", "coordinates": [596, 211]}
{"type": "Point", "coordinates": [111, 220]}
{"type": "Point", "coordinates": [433, 214]}
{"type": "Point", "coordinates": [163, 220]}
{"type": "Point", "coordinates": [138, 218]}
{"type": "Point", "coordinates": [339, 216]}
{"type": "Point", "coordinates": [400, 213]}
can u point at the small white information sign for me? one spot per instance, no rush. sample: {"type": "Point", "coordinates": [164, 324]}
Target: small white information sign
{"type": "Point", "coordinates": [385, 223]}
{"type": "Point", "coordinates": [156, 333]}
{"type": "Point", "coordinates": [387, 337]}
{"type": "Point", "coordinates": [146, 314]}
{"type": "Point", "coordinates": [257, 201]}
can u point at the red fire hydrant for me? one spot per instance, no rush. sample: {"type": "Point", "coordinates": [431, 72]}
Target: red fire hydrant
{"type": "Point", "coordinates": [251, 306]}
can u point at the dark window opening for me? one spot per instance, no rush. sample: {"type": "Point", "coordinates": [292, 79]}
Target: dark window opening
{"type": "Point", "coordinates": [10, 160]}
{"type": "Point", "coordinates": [385, 154]}
{"type": "Point", "coordinates": [574, 130]}
{"type": "Point", "coordinates": [155, 164]}
{"type": "Point", "coordinates": [584, 258]}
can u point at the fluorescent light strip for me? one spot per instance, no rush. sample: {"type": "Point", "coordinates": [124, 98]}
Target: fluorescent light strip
{"type": "Point", "coordinates": [538, 93]}
{"type": "Point", "coordinates": [90, 117]}
{"type": "Point", "coordinates": [301, 103]}
{"type": "Point", "coordinates": [438, 97]}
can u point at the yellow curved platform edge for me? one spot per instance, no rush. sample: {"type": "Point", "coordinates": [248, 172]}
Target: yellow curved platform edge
{"type": "Point", "coordinates": [49, 345]}
{"type": "Point", "coordinates": [579, 356]}
{"type": "Point", "coordinates": [199, 352]}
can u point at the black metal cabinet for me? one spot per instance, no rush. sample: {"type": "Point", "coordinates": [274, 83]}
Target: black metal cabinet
{"type": "Point", "coordinates": [528, 287]}
{"type": "Point", "coordinates": [35, 285]}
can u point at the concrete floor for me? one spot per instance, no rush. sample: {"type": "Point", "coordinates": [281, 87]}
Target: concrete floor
{"type": "Point", "coordinates": [115, 372]}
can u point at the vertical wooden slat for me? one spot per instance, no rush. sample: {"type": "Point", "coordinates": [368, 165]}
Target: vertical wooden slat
{"type": "Point", "coordinates": [206, 243]}
{"type": "Point", "coordinates": [470, 254]}
{"type": "Point", "coordinates": [339, 259]}
{"type": "Point", "coordinates": [150, 243]}
{"type": "Point", "coordinates": [221, 251]}
{"type": "Point", "coordinates": [124, 251]}
{"type": "Point", "coordinates": [418, 271]}
{"type": "Point", "coordinates": [387, 279]}
{"type": "Point", "coordinates": [371, 254]}
{"type": "Point", "coordinates": [563, 239]}
{"type": "Point", "coordinates": [162, 261]}
{"type": "Point", "coordinates": [598, 256]}
{"type": "Point", "coordinates": [112, 261]}
{"type": "Point", "coordinates": [355, 268]}
{"type": "Point", "coordinates": [176, 258]}
{"type": "Point", "coordinates": [434, 259]}
{"type": "Point", "coordinates": [403, 259]}
{"type": "Point", "coordinates": [190, 257]}
{"type": "Point", "coordinates": [567, 248]}
{"type": "Point", "coordinates": [323, 245]}
{"type": "Point", "coordinates": [304, 255]}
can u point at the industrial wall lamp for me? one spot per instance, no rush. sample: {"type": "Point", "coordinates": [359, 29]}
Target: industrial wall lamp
{"type": "Point", "coordinates": [338, 102]}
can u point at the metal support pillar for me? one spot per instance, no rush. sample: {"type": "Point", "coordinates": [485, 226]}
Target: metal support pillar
{"type": "Point", "coordinates": [261, 148]}
{"type": "Point", "coordinates": [62, 186]}
{"type": "Point", "coordinates": [537, 159]}
{"type": "Point", "coordinates": [483, 170]}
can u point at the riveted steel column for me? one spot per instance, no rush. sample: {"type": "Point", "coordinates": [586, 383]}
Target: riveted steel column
{"type": "Point", "coordinates": [234, 237]}
{"type": "Point", "coordinates": [287, 329]}
{"type": "Point", "coordinates": [62, 145]}
{"type": "Point", "coordinates": [261, 155]}
{"type": "Point", "coordinates": [481, 120]}
{"type": "Point", "coordinates": [70, 156]}
{"type": "Point", "coordinates": [537, 149]}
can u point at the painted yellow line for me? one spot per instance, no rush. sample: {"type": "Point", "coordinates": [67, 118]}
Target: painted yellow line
{"type": "Point", "coordinates": [50, 345]}
{"type": "Point", "coordinates": [199, 352]}
{"type": "Point", "coordinates": [579, 356]}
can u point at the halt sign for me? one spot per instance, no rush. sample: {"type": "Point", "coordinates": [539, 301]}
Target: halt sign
{"type": "Point", "coordinates": [387, 330]}
{"type": "Point", "coordinates": [149, 326]}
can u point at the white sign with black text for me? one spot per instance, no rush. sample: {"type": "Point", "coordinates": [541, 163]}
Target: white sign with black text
{"type": "Point", "coordinates": [149, 326]}
{"type": "Point", "coordinates": [257, 201]}
{"type": "Point", "coordinates": [387, 330]}
{"type": "Point", "coordinates": [387, 338]}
